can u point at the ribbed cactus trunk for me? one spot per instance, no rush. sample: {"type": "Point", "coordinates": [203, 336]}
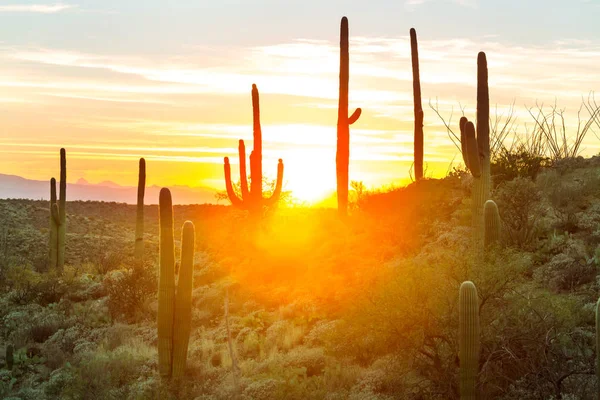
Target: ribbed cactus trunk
{"type": "Point", "coordinates": [598, 348]}
{"type": "Point", "coordinates": [139, 223]}
{"type": "Point", "coordinates": [491, 218]}
{"type": "Point", "coordinates": [183, 300]}
{"type": "Point", "coordinates": [174, 302]}
{"type": "Point", "coordinates": [166, 284]}
{"type": "Point", "coordinates": [342, 159]}
{"type": "Point", "coordinates": [418, 108]}
{"type": "Point", "coordinates": [54, 223]}
{"type": "Point", "coordinates": [481, 187]}
{"type": "Point", "coordinates": [252, 199]}
{"type": "Point", "coordinates": [468, 334]}
{"type": "Point", "coordinates": [62, 213]}
{"type": "Point", "coordinates": [9, 356]}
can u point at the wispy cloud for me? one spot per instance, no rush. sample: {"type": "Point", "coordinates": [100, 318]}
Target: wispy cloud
{"type": "Point", "coordinates": [35, 8]}
{"type": "Point", "coordinates": [411, 4]}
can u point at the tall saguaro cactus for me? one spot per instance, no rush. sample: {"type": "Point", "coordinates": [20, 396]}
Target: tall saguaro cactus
{"type": "Point", "coordinates": [418, 108]}
{"type": "Point", "coordinates": [342, 159]}
{"type": "Point", "coordinates": [139, 223]}
{"type": "Point", "coordinates": [58, 217]}
{"type": "Point", "coordinates": [598, 347]}
{"type": "Point", "coordinates": [174, 302]}
{"type": "Point", "coordinates": [468, 333]}
{"type": "Point", "coordinates": [476, 149]}
{"type": "Point", "coordinates": [252, 199]}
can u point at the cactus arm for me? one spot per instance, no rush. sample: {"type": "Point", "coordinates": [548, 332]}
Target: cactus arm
{"type": "Point", "coordinates": [278, 185]}
{"type": "Point", "coordinates": [468, 340]}
{"type": "Point", "coordinates": [355, 116]}
{"type": "Point", "coordinates": [243, 175]}
{"type": "Point", "coordinates": [463, 140]}
{"type": "Point", "coordinates": [183, 301]}
{"type": "Point", "coordinates": [55, 215]}
{"type": "Point", "coordinates": [483, 107]}
{"type": "Point", "coordinates": [166, 284]}
{"type": "Point", "coordinates": [139, 223]}
{"type": "Point", "coordinates": [235, 200]}
{"type": "Point", "coordinates": [472, 154]}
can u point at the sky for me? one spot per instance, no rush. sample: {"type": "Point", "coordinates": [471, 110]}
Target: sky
{"type": "Point", "coordinates": [114, 80]}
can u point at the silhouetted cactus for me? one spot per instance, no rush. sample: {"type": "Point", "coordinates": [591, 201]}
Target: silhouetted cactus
{"type": "Point", "coordinates": [54, 223]}
{"type": "Point", "coordinates": [58, 222]}
{"type": "Point", "coordinates": [9, 357]}
{"type": "Point", "coordinates": [139, 224]}
{"type": "Point", "coordinates": [174, 302]}
{"type": "Point", "coordinates": [252, 199]}
{"type": "Point", "coordinates": [343, 125]}
{"type": "Point", "coordinates": [492, 228]}
{"type": "Point", "coordinates": [418, 108]}
{"type": "Point", "coordinates": [468, 335]}
{"type": "Point", "coordinates": [477, 147]}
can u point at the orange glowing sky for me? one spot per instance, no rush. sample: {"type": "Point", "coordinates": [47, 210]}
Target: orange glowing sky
{"type": "Point", "coordinates": [113, 82]}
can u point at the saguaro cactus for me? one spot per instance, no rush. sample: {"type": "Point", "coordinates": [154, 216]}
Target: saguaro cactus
{"type": "Point", "coordinates": [252, 199]}
{"type": "Point", "coordinates": [9, 357]}
{"type": "Point", "coordinates": [598, 347]}
{"type": "Point", "coordinates": [476, 148]}
{"type": "Point", "coordinates": [139, 224]}
{"type": "Point", "coordinates": [468, 334]}
{"type": "Point", "coordinates": [418, 108]}
{"type": "Point", "coordinates": [54, 223]}
{"type": "Point", "coordinates": [492, 227]}
{"type": "Point", "coordinates": [58, 217]}
{"type": "Point", "coordinates": [174, 302]}
{"type": "Point", "coordinates": [343, 124]}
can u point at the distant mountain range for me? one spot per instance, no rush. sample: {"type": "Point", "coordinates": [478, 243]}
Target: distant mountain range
{"type": "Point", "coordinates": [16, 187]}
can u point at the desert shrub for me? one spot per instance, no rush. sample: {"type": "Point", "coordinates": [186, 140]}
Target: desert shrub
{"type": "Point", "coordinates": [23, 284]}
{"type": "Point", "coordinates": [312, 359]}
{"type": "Point", "coordinates": [128, 291]}
{"type": "Point", "coordinates": [520, 210]}
{"type": "Point", "coordinates": [108, 374]}
{"type": "Point", "coordinates": [509, 164]}
{"type": "Point", "coordinates": [284, 335]}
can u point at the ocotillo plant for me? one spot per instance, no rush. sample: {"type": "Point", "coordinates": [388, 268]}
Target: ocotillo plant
{"type": "Point", "coordinates": [344, 121]}
{"type": "Point", "coordinates": [252, 199]}
{"type": "Point", "coordinates": [139, 224]}
{"type": "Point", "coordinates": [492, 228]}
{"type": "Point", "coordinates": [468, 334]}
{"type": "Point", "coordinates": [418, 108]}
{"type": "Point", "coordinates": [58, 217]}
{"type": "Point", "coordinates": [174, 302]}
{"type": "Point", "coordinates": [476, 148]}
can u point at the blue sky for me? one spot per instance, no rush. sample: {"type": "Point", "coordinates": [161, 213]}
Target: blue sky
{"type": "Point", "coordinates": [116, 80]}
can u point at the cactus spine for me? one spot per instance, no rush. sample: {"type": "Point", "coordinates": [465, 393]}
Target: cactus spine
{"type": "Point", "coordinates": [174, 303]}
{"type": "Point", "coordinates": [418, 108]}
{"type": "Point", "coordinates": [343, 124]}
{"type": "Point", "coordinates": [139, 225]}
{"type": "Point", "coordinates": [58, 217]}
{"type": "Point", "coordinates": [476, 149]}
{"type": "Point", "coordinates": [491, 219]}
{"type": "Point", "coordinates": [10, 359]}
{"type": "Point", "coordinates": [468, 340]}
{"type": "Point", "coordinates": [252, 199]}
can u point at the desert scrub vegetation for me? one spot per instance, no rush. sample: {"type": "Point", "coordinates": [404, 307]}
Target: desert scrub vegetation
{"type": "Point", "coordinates": [365, 308]}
